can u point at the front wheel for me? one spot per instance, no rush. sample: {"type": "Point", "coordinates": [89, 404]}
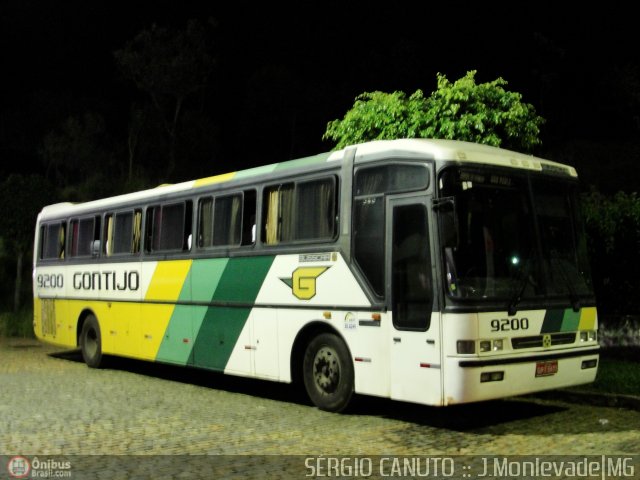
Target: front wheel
{"type": "Point", "coordinates": [91, 342]}
{"type": "Point", "coordinates": [328, 373]}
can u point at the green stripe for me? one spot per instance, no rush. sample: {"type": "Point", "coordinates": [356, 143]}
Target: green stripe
{"type": "Point", "coordinates": [220, 327]}
{"type": "Point", "coordinates": [251, 172]}
{"type": "Point", "coordinates": [296, 163]}
{"type": "Point", "coordinates": [242, 279]}
{"type": "Point", "coordinates": [303, 162]}
{"type": "Point", "coordinates": [173, 348]}
{"type": "Point", "coordinates": [570, 321]}
{"type": "Point", "coordinates": [560, 321]}
{"type": "Point", "coordinates": [213, 331]}
{"type": "Point", "coordinates": [552, 321]}
{"type": "Point", "coordinates": [217, 337]}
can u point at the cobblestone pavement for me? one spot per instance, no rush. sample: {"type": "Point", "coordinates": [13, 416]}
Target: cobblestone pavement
{"type": "Point", "coordinates": [52, 404]}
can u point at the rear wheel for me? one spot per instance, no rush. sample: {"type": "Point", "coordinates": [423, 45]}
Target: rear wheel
{"type": "Point", "coordinates": [328, 373]}
{"type": "Point", "coordinates": [91, 342]}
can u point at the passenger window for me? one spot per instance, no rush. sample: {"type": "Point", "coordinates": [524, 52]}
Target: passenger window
{"type": "Point", "coordinates": [83, 233]}
{"type": "Point", "coordinates": [227, 220]}
{"type": "Point", "coordinates": [301, 211]}
{"type": "Point", "coordinates": [52, 241]}
{"type": "Point", "coordinates": [168, 227]}
{"type": "Point", "coordinates": [122, 232]}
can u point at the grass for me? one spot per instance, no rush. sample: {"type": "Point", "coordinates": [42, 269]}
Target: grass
{"type": "Point", "coordinates": [618, 372]}
{"type": "Point", "coordinates": [18, 324]}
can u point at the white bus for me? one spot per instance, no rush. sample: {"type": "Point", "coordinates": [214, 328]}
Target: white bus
{"type": "Point", "coordinates": [429, 271]}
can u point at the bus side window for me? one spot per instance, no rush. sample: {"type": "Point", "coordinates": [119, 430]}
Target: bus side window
{"type": "Point", "coordinates": [83, 233]}
{"type": "Point", "coordinates": [305, 210]}
{"type": "Point", "coordinates": [168, 227]}
{"type": "Point", "coordinates": [122, 232]}
{"type": "Point", "coordinates": [52, 241]}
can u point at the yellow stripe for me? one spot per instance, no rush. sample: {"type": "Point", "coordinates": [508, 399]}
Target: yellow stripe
{"type": "Point", "coordinates": [166, 285]}
{"type": "Point", "coordinates": [588, 318]}
{"type": "Point", "coordinates": [225, 177]}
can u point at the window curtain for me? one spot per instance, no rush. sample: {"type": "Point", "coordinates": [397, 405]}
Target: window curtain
{"type": "Point", "coordinates": [286, 213]}
{"type": "Point", "coordinates": [235, 221]}
{"type": "Point", "coordinates": [206, 223]}
{"type": "Point", "coordinates": [271, 224]}
{"type": "Point", "coordinates": [108, 246]}
{"type": "Point", "coordinates": [137, 231]}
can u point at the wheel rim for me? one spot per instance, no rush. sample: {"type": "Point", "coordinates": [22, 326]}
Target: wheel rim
{"type": "Point", "coordinates": [91, 343]}
{"type": "Point", "coordinates": [326, 370]}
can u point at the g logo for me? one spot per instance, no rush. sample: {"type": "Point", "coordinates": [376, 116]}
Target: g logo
{"type": "Point", "coordinates": [303, 281]}
{"type": "Point", "coordinates": [546, 341]}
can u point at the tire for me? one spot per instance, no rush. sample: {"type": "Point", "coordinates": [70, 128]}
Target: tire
{"type": "Point", "coordinates": [91, 342]}
{"type": "Point", "coordinates": [328, 373]}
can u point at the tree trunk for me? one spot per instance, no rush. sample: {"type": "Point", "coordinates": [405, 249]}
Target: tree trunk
{"type": "Point", "coordinates": [16, 293]}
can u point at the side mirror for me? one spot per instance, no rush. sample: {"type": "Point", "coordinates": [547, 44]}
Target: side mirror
{"type": "Point", "coordinates": [95, 248]}
{"type": "Point", "coordinates": [448, 222]}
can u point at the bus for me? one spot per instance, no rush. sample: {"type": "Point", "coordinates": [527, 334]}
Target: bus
{"type": "Point", "coordinates": [436, 272]}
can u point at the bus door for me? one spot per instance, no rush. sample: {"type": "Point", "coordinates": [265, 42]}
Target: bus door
{"type": "Point", "coordinates": [416, 373]}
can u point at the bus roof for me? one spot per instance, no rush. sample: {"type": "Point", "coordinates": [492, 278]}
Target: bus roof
{"type": "Point", "coordinates": [441, 150]}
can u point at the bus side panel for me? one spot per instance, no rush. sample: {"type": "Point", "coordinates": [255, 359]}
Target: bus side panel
{"type": "Point", "coordinates": [368, 340]}
{"type": "Point", "coordinates": [169, 283]}
{"type": "Point", "coordinates": [227, 288]}
{"type": "Point", "coordinates": [297, 284]}
{"type": "Point", "coordinates": [51, 320]}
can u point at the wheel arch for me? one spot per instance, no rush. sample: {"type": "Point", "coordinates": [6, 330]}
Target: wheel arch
{"type": "Point", "coordinates": [304, 336]}
{"type": "Point", "coordinates": [81, 319]}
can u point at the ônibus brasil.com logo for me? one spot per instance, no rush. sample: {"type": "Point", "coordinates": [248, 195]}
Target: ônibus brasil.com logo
{"type": "Point", "coordinates": [18, 467]}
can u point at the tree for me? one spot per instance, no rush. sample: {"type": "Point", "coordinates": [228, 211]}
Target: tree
{"type": "Point", "coordinates": [463, 110]}
{"type": "Point", "coordinates": [170, 67]}
{"type": "Point", "coordinates": [79, 157]}
{"type": "Point", "coordinates": [23, 197]}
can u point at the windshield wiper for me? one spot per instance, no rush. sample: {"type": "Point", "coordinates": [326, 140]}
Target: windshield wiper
{"type": "Point", "coordinates": [574, 298]}
{"type": "Point", "coordinates": [512, 308]}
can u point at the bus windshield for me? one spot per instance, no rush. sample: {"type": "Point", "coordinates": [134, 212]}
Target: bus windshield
{"type": "Point", "coordinates": [519, 239]}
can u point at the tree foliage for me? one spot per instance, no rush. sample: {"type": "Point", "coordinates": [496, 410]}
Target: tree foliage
{"type": "Point", "coordinates": [463, 110]}
{"type": "Point", "coordinates": [170, 66]}
{"type": "Point", "coordinates": [613, 227]}
{"type": "Point", "coordinates": [24, 196]}
{"type": "Point", "coordinates": [79, 157]}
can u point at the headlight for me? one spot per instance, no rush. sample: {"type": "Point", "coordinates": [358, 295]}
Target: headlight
{"type": "Point", "coordinates": [588, 335]}
{"type": "Point", "coordinates": [466, 346]}
{"type": "Point", "coordinates": [491, 345]}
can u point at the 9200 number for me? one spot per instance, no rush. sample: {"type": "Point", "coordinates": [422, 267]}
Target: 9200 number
{"type": "Point", "coordinates": [509, 324]}
{"type": "Point", "coordinates": [50, 280]}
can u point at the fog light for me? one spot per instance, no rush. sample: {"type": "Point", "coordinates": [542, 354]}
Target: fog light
{"type": "Point", "coordinates": [485, 345]}
{"type": "Point", "coordinates": [491, 377]}
{"type": "Point", "coordinates": [583, 336]}
{"type": "Point", "coordinates": [592, 335]}
{"type": "Point", "coordinates": [497, 345]}
{"type": "Point", "coordinates": [466, 346]}
{"type": "Point", "coordinates": [589, 363]}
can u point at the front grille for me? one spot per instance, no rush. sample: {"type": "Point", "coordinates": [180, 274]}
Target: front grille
{"type": "Point", "coordinates": [538, 340]}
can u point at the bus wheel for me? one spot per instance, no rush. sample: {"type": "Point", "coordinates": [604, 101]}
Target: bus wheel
{"type": "Point", "coordinates": [328, 373]}
{"type": "Point", "coordinates": [91, 342]}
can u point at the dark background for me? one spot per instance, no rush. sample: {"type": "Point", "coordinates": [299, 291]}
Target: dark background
{"type": "Point", "coordinates": [283, 72]}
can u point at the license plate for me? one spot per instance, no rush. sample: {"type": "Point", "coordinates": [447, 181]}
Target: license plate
{"type": "Point", "coordinates": [544, 369]}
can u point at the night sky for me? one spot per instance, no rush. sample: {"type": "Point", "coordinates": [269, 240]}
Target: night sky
{"type": "Point", "coordinates": [283, 72]}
